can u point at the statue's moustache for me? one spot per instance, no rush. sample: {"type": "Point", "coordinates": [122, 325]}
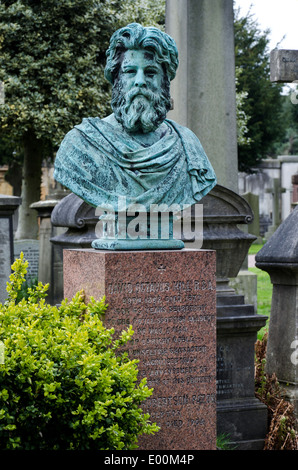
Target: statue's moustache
{"type": "Point", "coordinates": [148, 94]}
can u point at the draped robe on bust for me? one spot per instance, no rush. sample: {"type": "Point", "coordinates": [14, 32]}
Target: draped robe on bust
{"type": "Point", "coordinates": [99, 163]}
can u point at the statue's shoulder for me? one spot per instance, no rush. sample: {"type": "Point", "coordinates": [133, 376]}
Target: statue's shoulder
{"type": "Point", "coordinates": [182, 131]}
{"type": "Point", "coordinates": [89, 122]}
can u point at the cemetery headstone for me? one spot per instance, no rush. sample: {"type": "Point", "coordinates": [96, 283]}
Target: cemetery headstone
{"type": "Point", "coordinates": [170, 300]}
{"type": "Point", "coordinates": [276, 217]}
{"type": "Point", "coordinates": [8, 206]}
{"type": "Point", "coordinates": [254, 227]}
{"type": "Point", "coordinates": [30, 248]}
{"type": "Point", "coordinates": [133, 161]}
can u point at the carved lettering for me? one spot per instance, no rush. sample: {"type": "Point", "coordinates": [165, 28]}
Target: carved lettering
{"type": "Point", "coordinates": [170, 320]}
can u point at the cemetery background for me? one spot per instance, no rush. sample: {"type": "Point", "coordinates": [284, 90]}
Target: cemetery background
{"type": "Point", "coordinates": [282, 168]}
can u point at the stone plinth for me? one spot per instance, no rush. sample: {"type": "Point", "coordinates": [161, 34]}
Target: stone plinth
{"type": "Point", "coordinates": [239, 414]}
{"type": "Point", "coordinates": [169, 297]}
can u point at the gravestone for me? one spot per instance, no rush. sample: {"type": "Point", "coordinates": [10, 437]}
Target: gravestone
{"type": "Point", "coordinates": [30, 248]}
{"type": "Point", "coordinates": [166, 292]}
{"type": "Point", "coordinates": [8, 206]}
{"type": "Point", "coordinates": [254, 227]}
{"type": "Point", "coordinates": [6, 259]}
{"type": "Point", "coordinates": [169, 297]}
{"type": "Point", "coordinates": [276, 218]}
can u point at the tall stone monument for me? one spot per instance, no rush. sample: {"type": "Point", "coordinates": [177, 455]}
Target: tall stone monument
{"type": "Point", "coordinates": [141, 171]}
{"type": "Point", "coordinates": [204, 89]}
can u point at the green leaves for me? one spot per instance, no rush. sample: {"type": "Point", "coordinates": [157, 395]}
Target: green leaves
{"type": "Point", "coordinates": [264, 123]}
{"type": "Point", "coordinates": [65, 371]}
{"type": "Point", "coordinates": [52, 57]}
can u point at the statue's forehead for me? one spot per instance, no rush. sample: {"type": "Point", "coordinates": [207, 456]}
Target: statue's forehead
{"type": "Point", "coordinates": [138, 56]}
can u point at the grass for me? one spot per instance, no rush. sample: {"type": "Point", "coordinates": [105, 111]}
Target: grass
{"type": "Point", "coordinates": [254, 249]}
{"type": "Point", "coordinates": [264, 290]}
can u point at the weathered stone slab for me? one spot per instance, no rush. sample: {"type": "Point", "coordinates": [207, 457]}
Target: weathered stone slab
{"type": "Point", "coordinates": [8, 206]}
{"type": "Point", "coordinates": [30, 248]}
{"type": "Point", "coordinates": [283, 65]}
{"type": "Point", "coordinates": [5, 255]}
{"type": "Point", "coordinates": [169, 297]}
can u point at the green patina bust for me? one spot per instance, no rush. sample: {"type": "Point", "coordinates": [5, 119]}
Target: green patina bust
{"type": "Point", "coordinates": [136, 155]}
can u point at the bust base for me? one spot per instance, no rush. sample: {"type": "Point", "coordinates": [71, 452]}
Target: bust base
{"type": "Point", "coordinates": [138, 244]}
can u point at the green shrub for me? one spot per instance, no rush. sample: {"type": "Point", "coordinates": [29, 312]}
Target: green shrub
{"type": "Point", "coordinates": [65, 383]}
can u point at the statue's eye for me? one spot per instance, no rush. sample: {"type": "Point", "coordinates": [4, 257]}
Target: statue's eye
{"type": "Point", "coordinates": [150, 73]}
{"type": "Point", "coordinates": [130, 71]}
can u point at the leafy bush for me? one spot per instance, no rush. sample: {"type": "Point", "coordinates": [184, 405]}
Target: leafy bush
{"type": "Point", "coordinates": [65, 383]}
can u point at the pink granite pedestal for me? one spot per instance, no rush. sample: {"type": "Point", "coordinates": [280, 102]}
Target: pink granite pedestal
{"type": "Point", "coordinates": [169, 297]}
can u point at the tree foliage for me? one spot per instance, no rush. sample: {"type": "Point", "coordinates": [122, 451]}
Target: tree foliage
{"type": "Point", "coordinates": [263, 102]}
{"type": "Point", "coordinates": [289, 144]}
{"type": "Point", "coordinates": [52, 58]}
{"type": "Point", "coordinates": [52, 65]}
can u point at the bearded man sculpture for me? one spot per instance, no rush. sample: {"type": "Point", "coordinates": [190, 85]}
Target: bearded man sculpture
{"type": "Point", "coordinates": [136, 153]}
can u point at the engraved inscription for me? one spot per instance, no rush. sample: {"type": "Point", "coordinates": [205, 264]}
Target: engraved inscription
{"type": "Point", "coordinates": [170, 320]}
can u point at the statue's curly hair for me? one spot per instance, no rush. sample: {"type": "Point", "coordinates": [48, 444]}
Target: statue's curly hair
{"type": "Point", "coordinates": [136, 36]}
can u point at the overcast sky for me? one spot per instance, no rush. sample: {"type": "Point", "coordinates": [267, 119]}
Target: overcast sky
{"type": "Point", "coordinates": [280, 16]}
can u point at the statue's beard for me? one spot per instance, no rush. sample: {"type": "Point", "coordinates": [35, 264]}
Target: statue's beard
{"type": "Point", "coordinates": [140, 110]}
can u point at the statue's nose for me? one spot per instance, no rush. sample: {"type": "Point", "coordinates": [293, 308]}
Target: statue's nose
{"type": "Point", "coordinates": [140, 79]}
